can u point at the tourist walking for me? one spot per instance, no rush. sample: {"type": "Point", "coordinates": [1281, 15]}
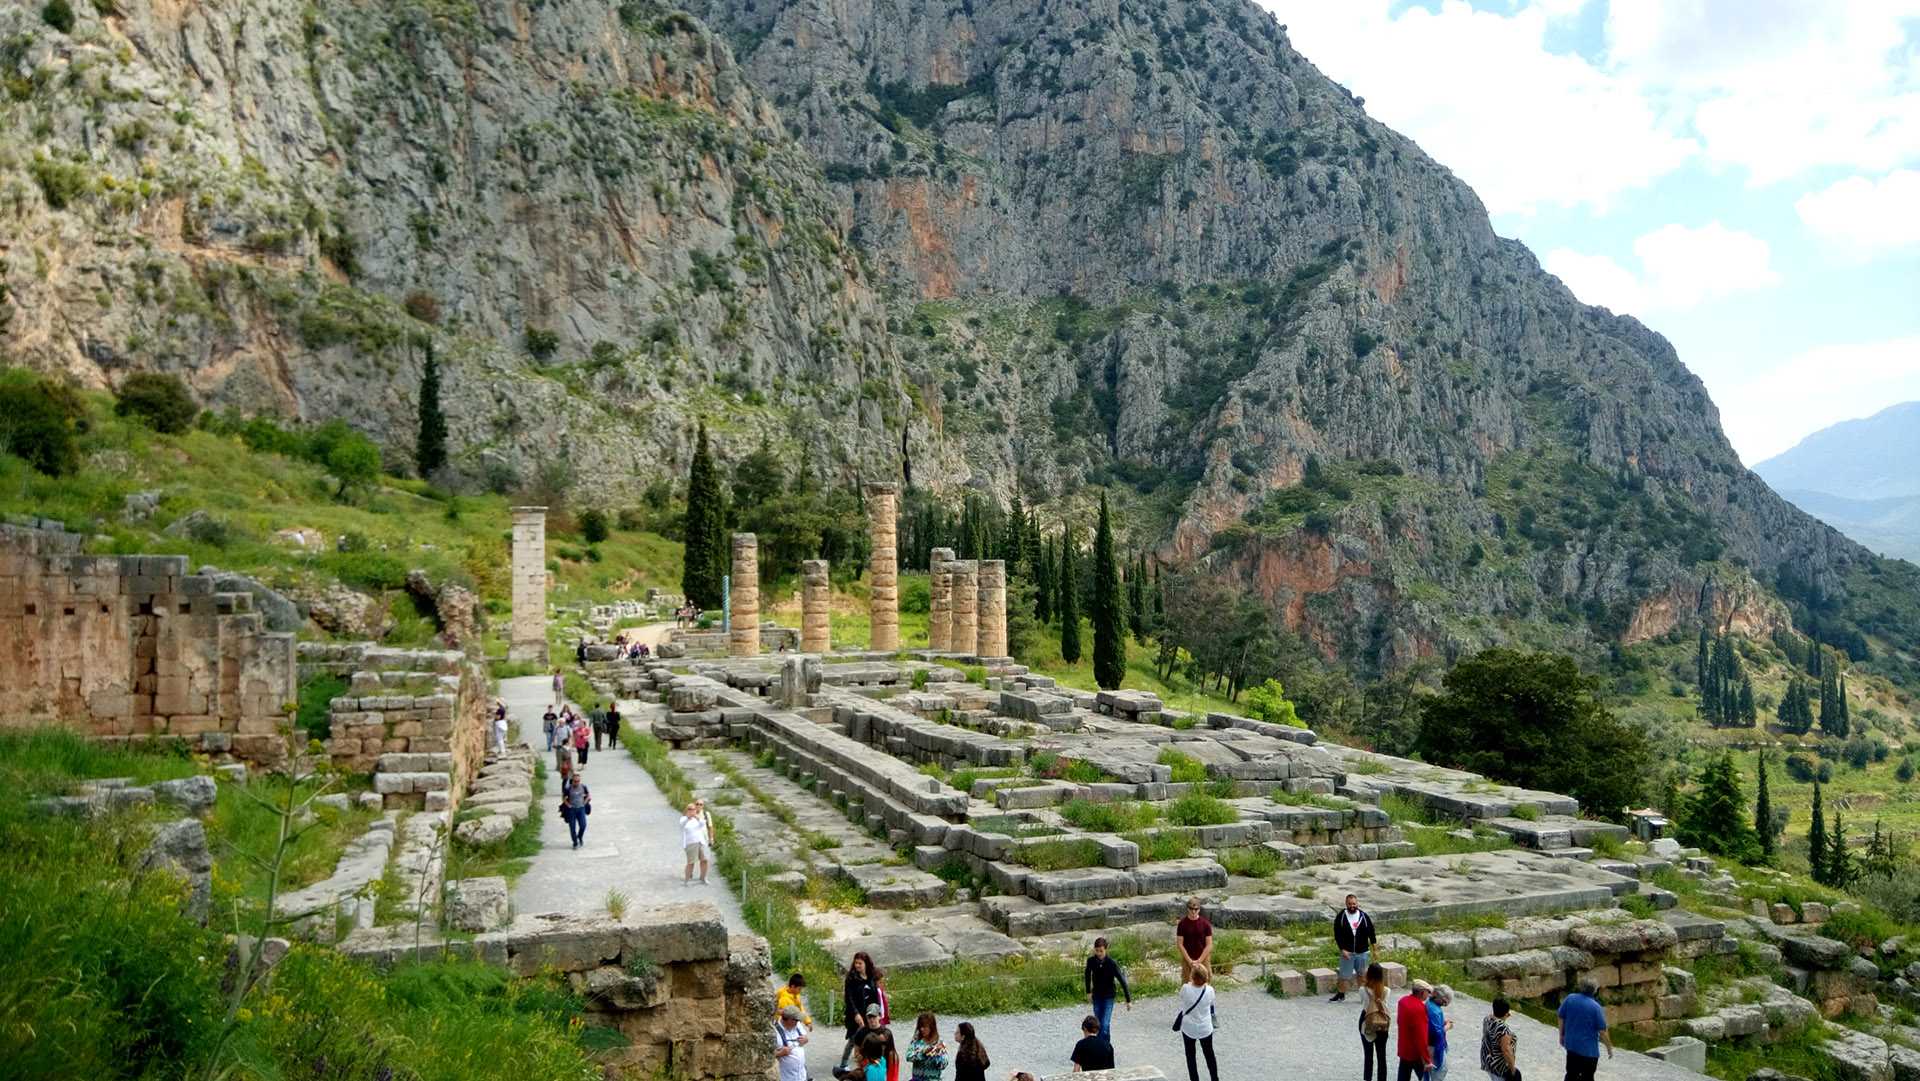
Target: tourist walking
{"type": "Point", "coordinates": [613, 724]}
{"type": "Point", "coordinates": [563, 748]}
{"type": "Point", "coordinates": [559, 688]}
{"type": "Point", "coordinates": [970, 1059]}
{"type": "Point", "coordinates": [790, 1051]}
{"type": "Point", "coordinates": [580, 740]}
{"type": "Point", "coordinates": [925, 1053]}
{"type": "Point", "coordinates": [1195, 1022]}
{"type": "Point", "coordinates": [790, 995]}
{"type": "Point", "coordinates": [697, 842]}
{"type": "Point", "coordinates": [1499, 1047]}
{"type": "Point", "coordinates": [548, 722]}
{"type": "Point", "coordinates": [1375, 1022]}
{"type": "Point", "coordinates": [1416, 1056]}
{"type": "Point", "coordinates": [1583, 1028]}
{"type": "Point", "coordinates": [500, 730]}
{"type": "Point", "coordinates": [1437, 1026]}
{"type": "Point", "coordinates": [1353, 934]}
{"type": "Point", "coordinates": [1102, 975]}
{"type": "Point", "coordinates": [599, 716]}
{"type": "Point", "coordinates": [576, 803]}
{"type": "Point", "coordinates": [1094, 1051]}
{"type": "Point", "coordinates": [1194, 935]}
{"type": "Point", "coordinates": [861, 991]}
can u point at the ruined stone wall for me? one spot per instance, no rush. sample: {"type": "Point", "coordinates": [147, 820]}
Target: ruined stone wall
{"type": "Point", "coordinates": [692, 1001]}
{"type": "Point", "coordinates": [135, 648]}
{"type": "Point", "coordinates": [714, 643]}
{"type": "Point", "coordinates": [407, 714]}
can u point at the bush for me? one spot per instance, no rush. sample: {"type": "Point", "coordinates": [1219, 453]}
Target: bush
{"type": "Point", "coordinates": [1109, 817]}
{"type": "Point", "coordinates": [158, 400]}
{"type": "Point", "coordinates": [59, 15]}
{"type": "Point", "coordinates": [314, 716]}
{"type": "Point", "coordinates": [36, 426]}
{"type": "Point", "coordinates": [593, 526]}
{"type": "Point", "coordinates": [541, 344]}
{"type": "Point", "coordinates": [1198, 809]}
{"type": "Point", "coordinates": [423, 306]}
{"type": "Point", "coordinates": [1801, 768]}
{"type": "Point", "coordinates": [354, 461]}
{"type": "Point", "coordinates": [1186, 768]}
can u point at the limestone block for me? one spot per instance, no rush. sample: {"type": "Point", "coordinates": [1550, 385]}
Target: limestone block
{"type": "Point", "coordinates": [1856, 1056]}
{"type": "Point", "coordinates": [1683, 1051]}
{"type": "Point", "coordinates": [1292, 982]}
{"type": "Point", "coordinates": [485, 830]}
{"type": "Point", "coordinates": [1325, 980]}
{"type": "Point", "coordinates": [1631, 937]}
{"type": "Point", "coordinates": [477, 904]}
{"type": "Point", "coordinates": [194, 795]}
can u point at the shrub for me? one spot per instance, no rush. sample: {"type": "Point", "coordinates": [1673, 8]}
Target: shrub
{"type": "Point", "coordinates": [1158, 845]}
{"type": "Point", "coordinates": [1254, 862]}
{"type": "Point", "coordinates": [1801, 768]}
{"type": "Point", "coordinates": [35, 426]}
{"type": "Point", "coordinates": [423, 306]}
{"type": "Point", "coordinates": [1109, 817]}
{"type": "Point", "coordinates": [593, 526]}
{"type": "Point", "coordinates": [158, 400]}
{"type": "Point", "coordinates": [1186, 768]}
{"type": "Point", "coordinates": [541, 344]}
{"type": "Point", "coordinates": [354, 461]}
{"type": "Point", "coordinates": [1061, 855]}
{"type": "Point", "coordinates": [1199, 809]}
{"type": "Point", "coordinates": [314, 716]}
{"type": "Point", "coordinates": [59, 15]}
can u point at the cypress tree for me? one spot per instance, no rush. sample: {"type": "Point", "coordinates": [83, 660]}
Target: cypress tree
{"type": "Point", "coordinates": [1833, 718]}
{"type": "Point", "coordinates": [1749, 716]}
{"type": "Point", "coordinates": [1109, 617]}
{"type": "Point", "coordinates": [1817, 840]}
{"type": "Point", "coordinates": [1013, 539]}
{"type": "Point", "coordinates": [1043, 589]}
{"type": "Point", "coordinates": [1702, 660]}
{"type": "Point", "coordinates": [430, 445]}
{"type": "Point", "coordinates": [1763, 812]}
{"type": "Point", "coordinates": [1840, 700]}
{"type": "Point", "coordinates": [1716, 816]}
{"type": "Point", "coordinates": [1069, 603]}
{"type": "Point", "coordinates": [1137, 599]}
{"type": "Point", "coordinates": [704, 535]}
{"type": "Point", "coordinates": [1839, 863]}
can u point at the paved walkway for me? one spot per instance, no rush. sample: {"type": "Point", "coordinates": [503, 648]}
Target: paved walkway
{"type": "Point", "coordinates": [1260, 1038]}
{"type": "Point", "coordinates": [633, 836]}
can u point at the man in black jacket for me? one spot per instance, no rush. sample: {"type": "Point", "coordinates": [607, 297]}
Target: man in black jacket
{"type": "Point", "coordinates": [1102, 973]}
{"type": "Point", "coordinates": [1353, 933]}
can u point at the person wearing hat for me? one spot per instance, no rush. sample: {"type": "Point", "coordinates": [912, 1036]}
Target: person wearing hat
{"type": "Point", "coordinates": [1416, 1054]}
{"type": "Point", "coordinates": [790, 1045]}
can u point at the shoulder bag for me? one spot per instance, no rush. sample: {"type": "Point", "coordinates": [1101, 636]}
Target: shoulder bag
{"type": "Point", "coordinates": [1182, 1015]}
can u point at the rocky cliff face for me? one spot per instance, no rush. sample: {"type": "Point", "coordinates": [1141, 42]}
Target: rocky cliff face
{"type": "Point", "coordinates": [584, 207]}
{"type": "Point", "coordinates": [1138, 244]}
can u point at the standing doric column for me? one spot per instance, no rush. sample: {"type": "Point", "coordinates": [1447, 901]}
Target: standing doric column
{"type": "Point", "coordinates": [963, 575]}
{"type": "Point", "coordinates": [744, 639]}
{"type": "Point", "coordinates": [940, 601]}
{"type": "Point", "coordinates": [884, 569]}
{"type": "Point", "coordinates": [816, 598]}
{"type": "Point", "coordinates": [529, 639]}
{"type": "Point", "coordinates": [992, 610]}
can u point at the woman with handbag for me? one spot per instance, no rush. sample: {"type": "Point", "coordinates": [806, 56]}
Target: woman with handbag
{"type": "Point", "coordinates": [1196, 1020]}
{"type": "Point", "coordinates": [1375, 1020]}
{"type": "Point", "coordinates": [576, 803]}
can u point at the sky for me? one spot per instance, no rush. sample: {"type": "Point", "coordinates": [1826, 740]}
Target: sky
{"type": "Point", "coordinates": [1743, 176]}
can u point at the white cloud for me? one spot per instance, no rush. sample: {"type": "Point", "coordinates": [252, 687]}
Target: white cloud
{"type": "Point", "coordinates": [1483, 95]}
{"type": "Point", "coordinates": [1771, 411]}
{"type": "Point", "coordinates": [1680, 267]}
{"type": "Point", "coordinates": [1865, 215]}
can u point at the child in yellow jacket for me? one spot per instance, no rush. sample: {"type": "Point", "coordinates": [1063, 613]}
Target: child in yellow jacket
{"type": "Point", "coordinates": [790, 996]}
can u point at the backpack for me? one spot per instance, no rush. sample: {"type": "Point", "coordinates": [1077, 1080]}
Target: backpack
{"type": "Point", "coordinates": [1374, 1021]}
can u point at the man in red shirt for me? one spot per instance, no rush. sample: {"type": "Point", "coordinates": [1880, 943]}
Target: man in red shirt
{"type": "Point", "coordinates": [1410, 1017]}
{"type": "Point", "coordinates": [1195, 938]}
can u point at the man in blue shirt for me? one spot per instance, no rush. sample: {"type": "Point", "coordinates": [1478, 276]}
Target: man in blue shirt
{"type": "Point", "coordinates": [1583, 1028]}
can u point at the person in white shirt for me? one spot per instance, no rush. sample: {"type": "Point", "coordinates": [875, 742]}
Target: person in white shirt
{"type": "Point", "coordinates": [696, 838]}
{"type": "Point", "coordinates": [790, 1045]}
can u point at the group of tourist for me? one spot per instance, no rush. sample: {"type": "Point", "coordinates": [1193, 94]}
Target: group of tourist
{"type": "Point", "coordinates": [687, 615]}
{"type": "Point", "coordinates": [1417, 1023]}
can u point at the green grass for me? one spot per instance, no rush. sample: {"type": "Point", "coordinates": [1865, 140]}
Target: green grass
{"type": "Point", "coordinates": [1439, 841]}
{"type": "Point", "coordinates": [1186, 768]}
{"type": "Point", "coordinates": [1164, 844]}
{"type": "Point", "coordinates": [1200, 809]}
{"type": "Point", "coordinates": [1109, 817]}
{"type": "Point", "coordinates": [1059, 855]}
{"type": "Point", "coordinates": [316, 694]}
{"type": "Point", "coordinates": [49, 761]}
{"type": "Point", "coordinates": [1252, 862]}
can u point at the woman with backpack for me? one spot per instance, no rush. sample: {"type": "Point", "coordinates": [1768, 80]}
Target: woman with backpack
{"type": "Point", "coordinates": [576, 803]}
{"type": "Point", "coordinates": [1375, 1020]}
{"type": "Point", "coordinates": [1195, 1023]}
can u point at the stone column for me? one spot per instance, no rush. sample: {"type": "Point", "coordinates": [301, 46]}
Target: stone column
{"type": "Point", "coordinates": [963, 574]}
{"type": "Point", "coordinates": [991, 611]}
{"type": "Point", "coordinates": [529, 639]}
{"type": "Point", "coordinates": [940, 601]}
{"type": "Point", "coordinates": [884, 569]}
{"type": "Point", "coordinates": [744, 640]}
{"type": "Point", "coordinates": [816, 598]}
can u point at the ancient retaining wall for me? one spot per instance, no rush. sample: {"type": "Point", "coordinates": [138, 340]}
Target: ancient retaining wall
{"type": "Point", "coordinates": [690, 1000]}
{"type": "Point", "coordinates": [416, 719]}
{"type": "Point", "coordinates": [135, 648]}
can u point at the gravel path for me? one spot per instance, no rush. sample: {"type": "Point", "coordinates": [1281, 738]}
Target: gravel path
{"type": "Point", "coordinates": [1260, 1038]}
{"type": "Point", "coordinates": [633, 836]}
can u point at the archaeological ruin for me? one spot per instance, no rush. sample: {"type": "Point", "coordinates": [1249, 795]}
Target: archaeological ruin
{"type": "Point", "coordinates": [529, 563]}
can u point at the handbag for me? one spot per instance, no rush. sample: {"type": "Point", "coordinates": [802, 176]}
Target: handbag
{"type": "Point", "coordinates": [1182, 1015]}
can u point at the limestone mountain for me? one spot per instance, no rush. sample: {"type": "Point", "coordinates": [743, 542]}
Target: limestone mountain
{"type": "Point", "coordinates": [1859, 476]}
{"type": "Point", "coordinates": [985, 244]}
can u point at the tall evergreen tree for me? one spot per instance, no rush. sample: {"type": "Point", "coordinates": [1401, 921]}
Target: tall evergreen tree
{"type": "Point", "coordinates": [430, 444]}
{"type": "Point", "coordinates": [1763, 811]}
{"type": "Point", "coordinates": [1840, 701]}
{"type": "Point", "coordinates": [1137, 599]}
{"type": "Point", "coordinates": [1817, 840]}
{"type": "Point", "coordinates": [1068, 606]}
{"type": "Point", "coordinates": [1013, 543]}
{"type": "Point", "coordinates": [1702, 659]}
{"type": "Point", "coordinates": [1109, 607]}
{"type": "Point", "coordinates": [1716, 816]}
{"type": "Point", "coordinates": [1839, 862]}
{"type": "Point", "coordinates": [1749, 716]}
{"type": "Point", "coordinates": [1043, 586]}
{"type": "Point", "coordinates": [704, 536]}
{"type": "Point", "coordinates": [1833, 717]}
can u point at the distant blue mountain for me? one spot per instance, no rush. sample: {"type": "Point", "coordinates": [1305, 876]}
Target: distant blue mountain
{"type": "Point", "coordinates": [1861, 477]}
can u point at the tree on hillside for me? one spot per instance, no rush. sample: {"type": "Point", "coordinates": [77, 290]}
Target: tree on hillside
{"type": "Point", "coordinates": [1137, 612]}
{"type": "Point", "coordinates": [1109, 616]}
{"type": "Point", "coordinates": [1716, 816]}
{"type": "Point", "coordinates": [1068, 606]}
{"type": "Point", "coordinates": [1535, 719]}
{"type": "Point", "coordinates": [1840, 700]}
{"type": "Point", "coordinates": [1817, 840]}
{"type": "Point", "coordinates": [1749, 716]}
{"type": "Point", "coordinates": [1044, 590]}
{"type": "Point", "coordinates": [1833, 715]}
{"type": "Point", "coordinates": [1795, 712]}
{"type": "Point", "coordinates": [704, 538]}
{"type": "Point", "coordinates": [1840, 869]}
{"type": "Point", "coordinates": [1763, 810]}
{"type": "Point", "coordinates": [158, 400]}
{"type": "Point", "coordinates": [355, 463]}
{"type": "Point", "coordinates": [1013, 539]}
{"type": "Point", "coordinates": [430, 443]}
{"type": "Point", "coordinates": [1703, 660]}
